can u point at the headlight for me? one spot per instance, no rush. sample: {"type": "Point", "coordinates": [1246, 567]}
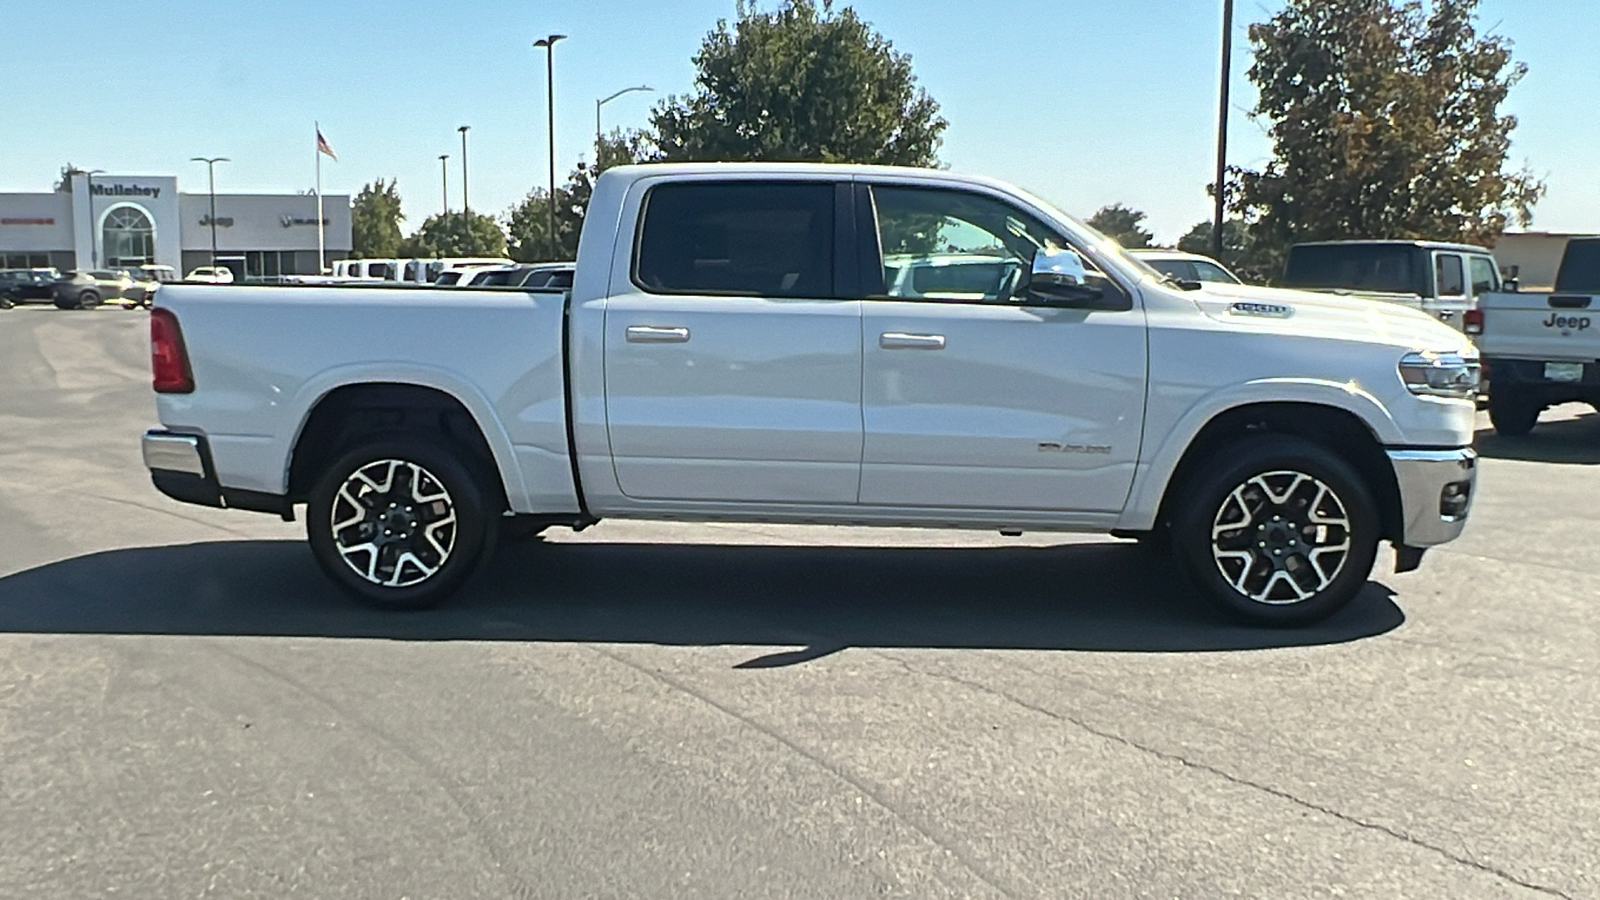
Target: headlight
{"type": "Point", "coordinates": [1432, 374]}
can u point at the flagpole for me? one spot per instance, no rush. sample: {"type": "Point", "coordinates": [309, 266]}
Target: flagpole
{"type": "Point", "coordinates": [322, 253]}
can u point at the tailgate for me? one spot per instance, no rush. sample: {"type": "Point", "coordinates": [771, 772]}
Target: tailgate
{"type": "Point", "coordinates": [1540, 326]}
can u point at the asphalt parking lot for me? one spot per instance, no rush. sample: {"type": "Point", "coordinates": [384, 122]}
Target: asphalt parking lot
{"type": "Point", "coordinates": [188, 709]}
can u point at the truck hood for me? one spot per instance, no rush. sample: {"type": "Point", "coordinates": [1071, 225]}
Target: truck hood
{"type": "Point", "coordinates": [1332, 315]}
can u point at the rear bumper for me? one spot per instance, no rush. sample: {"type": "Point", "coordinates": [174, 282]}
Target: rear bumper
{"type": "Point", "coordinates": [1527, 377]}
{"type": "Point", "coordinates": [1436, 489]}
{"type": "Point", "coordinates": [180, 467]}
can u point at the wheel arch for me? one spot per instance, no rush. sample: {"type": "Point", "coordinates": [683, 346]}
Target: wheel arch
{"type": "Point", "coordinates": [1335, 428]}
{"type": "Point", "coordinates": [345, 414]}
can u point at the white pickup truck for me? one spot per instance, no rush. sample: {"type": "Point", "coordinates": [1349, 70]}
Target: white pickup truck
{"type": "Point", "coordinates": [1541, 349]}
{"type": "Point", "coordinates": [731, 349]}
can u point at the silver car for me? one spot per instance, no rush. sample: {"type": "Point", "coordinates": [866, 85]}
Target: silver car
{"type": "Point", "coordinates": [82, 290]}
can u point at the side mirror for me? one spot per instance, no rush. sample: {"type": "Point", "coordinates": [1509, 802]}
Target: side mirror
{"type": "Point", "coordinates": [1060, 278]}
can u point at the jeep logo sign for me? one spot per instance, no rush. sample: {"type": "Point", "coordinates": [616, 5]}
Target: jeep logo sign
{"type": "Point", "coordinates": [1567, 324]}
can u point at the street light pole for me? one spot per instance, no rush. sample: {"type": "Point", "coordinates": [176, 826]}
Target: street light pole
{"type": "Point", "coordinates": [444, 180]}
{"type": "Point", "coordinates": [466, 207]}
{"type": "Point", "coordinates": [603, 102]}
{"type": "Point", "coordinates": [211, 176]}
{"type": "Point", "coordinates": [549, 44]}
{"type": "Point", "coordinates": [1222, 132]}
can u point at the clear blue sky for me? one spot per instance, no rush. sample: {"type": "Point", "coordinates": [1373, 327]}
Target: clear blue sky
{"type": "Point", "coordinates": [1082, 101]}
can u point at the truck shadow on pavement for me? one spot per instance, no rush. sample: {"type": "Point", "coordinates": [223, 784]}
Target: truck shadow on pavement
{"type": "Point", "coordinates": [1574, 441]}
{"type": "Point", "coordinates": [1102, 597]}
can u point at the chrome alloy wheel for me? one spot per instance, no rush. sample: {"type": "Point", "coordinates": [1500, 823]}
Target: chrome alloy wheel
{"type": "Point", "coordinates": [393, 523]}
{"type": "Point", "coordinates": [1281, 537]}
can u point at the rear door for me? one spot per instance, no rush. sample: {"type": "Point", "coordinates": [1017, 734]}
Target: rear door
{"type": "Point", "coordinates": [733, 353]}
{"type": "Point", "coordinates": [975, 397]}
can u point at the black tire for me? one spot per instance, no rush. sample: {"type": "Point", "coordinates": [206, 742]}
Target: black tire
{"type": "Point", "coordinates": [1278, 567]}
{"type": "Point", "coordinates": [421, 529]}
{"type": "Point", "coordinates": [1512, 413]}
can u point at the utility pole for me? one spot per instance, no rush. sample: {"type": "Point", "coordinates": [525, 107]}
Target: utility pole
{"type": "Point", "coordinates": [444, 180]}
{"type": "Point", "coordinates": [466, 207]}
{"type": "Point", "coordinates": [1221, 198]}
{"type": "Point", "coordinates": [211, 176]}
{"type": "Point", "coordinates": [549, 44]}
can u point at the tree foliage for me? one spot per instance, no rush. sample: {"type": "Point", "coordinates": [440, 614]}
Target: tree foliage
{"type": "Point", "coordinates": [1384, 115]}
{"type": "Point", "coordinates": [1238, 252]}
{"type": "Point", "coordinates": [528, 222]}
{"type": "Point", "coordinates": [375, 220]}
{"type": "Point", "coordinates": [1121, 224]}
{"type": "Point", "coordinates": [803, 82]}
{"type": "Point", "coordinates": [455, 234]}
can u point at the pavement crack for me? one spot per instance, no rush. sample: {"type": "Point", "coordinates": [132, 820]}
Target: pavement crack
{"type": "Point", "coordinates": [1279, 793]}
{"type": "Point", "coordinates": [928, 830]}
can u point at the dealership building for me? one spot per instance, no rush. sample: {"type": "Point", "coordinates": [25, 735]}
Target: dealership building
{"type": "Point", "coordinates": [116, 221]}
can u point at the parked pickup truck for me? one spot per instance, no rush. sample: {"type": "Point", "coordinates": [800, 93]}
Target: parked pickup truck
{"type": "Point", "coordinates": [1442, 280]}
{"type": "Point", "coordinates": [1541, 349]}
{"type": "Point", "coordinates": [733, 349]}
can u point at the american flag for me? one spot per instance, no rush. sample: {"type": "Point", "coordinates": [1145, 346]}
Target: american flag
{"type": "Point", "coordinates": [322, 146]}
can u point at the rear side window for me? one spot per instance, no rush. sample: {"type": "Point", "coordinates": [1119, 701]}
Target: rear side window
{"type": "Point", "coordinates": [745, 238]}
{"type": "Point", "coordinates": [1484, 277]}
{"type": "Point", "coordinates": [1452, 279]}
{"type": "Point", "coordinates": [1580, 268]}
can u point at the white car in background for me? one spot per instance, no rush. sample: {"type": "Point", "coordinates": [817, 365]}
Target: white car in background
{"type": "Point", "coordinates": [211, 275]}
{"type": "Point", "coordinates": [1186, 266]}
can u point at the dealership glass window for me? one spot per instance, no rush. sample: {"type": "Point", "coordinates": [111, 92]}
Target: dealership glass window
{"type": "Point", "coordinates": [268, 263]}
{"type": "Point", "coordinates": [25, 261]}
{"type": "Point", "coordinates": [128, 237]}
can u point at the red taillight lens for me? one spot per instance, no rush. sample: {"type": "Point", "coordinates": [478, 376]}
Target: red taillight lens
{"type": "Point", "coordinates": [1472, 321]}
{"type": "Point", "coordinates": [169, 361]}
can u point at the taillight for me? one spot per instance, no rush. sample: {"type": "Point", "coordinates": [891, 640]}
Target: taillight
{"type": "Point", "coordinates": [1472, 321]}
{"type": "Point", "coordinates": [169, 361]}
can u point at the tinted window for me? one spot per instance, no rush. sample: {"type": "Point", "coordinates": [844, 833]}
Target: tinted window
{"type": "Point", "coordinates": [450, 277]}
{"type": "Point", "coordinates": [744, 238]}
{"type": "Point", "coordinates": [1580, 268]}
{"type": "Point", "coordinates": [1484, 277]}
{"type": "Point", "coordinates": [1354, 267]}
{"type": "Point", "coordinates": [1452, 280]}
{"type": "Point", "coordinates": [1205, 271]}
{"type": "Point", "coordinates": [559, 280]}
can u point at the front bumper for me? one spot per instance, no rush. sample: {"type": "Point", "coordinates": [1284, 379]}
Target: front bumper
{"type": "Point", "coordinates": [1435, 493]}
{"type": "Point", "coordinates": [180, 467]}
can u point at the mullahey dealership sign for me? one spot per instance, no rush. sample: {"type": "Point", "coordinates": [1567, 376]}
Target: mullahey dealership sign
{"type": "Point", "coordinates": [124, 190]}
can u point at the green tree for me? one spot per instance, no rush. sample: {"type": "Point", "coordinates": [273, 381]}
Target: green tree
{"type": "Point", "coordinates": [1121, 224]}
{"type": "Point", "coordinates": [1385, 120]}
{"type": "Point", "coordinates": [456, 234]}
{"type": "Point", "coordinates": [1238, 253]}
{"type": "Point", "coordinates": [375, 221]}
{"type": "Point", "coordinates": [802, 82]}
{"type": "Point", "coordinates": [528, 222]}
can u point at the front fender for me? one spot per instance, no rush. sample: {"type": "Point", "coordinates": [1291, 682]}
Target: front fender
{"type": "Point", "coordinates": [1156, 468]}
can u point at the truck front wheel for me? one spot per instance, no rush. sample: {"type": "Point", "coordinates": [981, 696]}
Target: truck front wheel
{"type": "Point", "coordinates": [1276, 530]}
{"type": "Point", "coordinates": [1512, 413]}
{"type": "Point", "coordinates": [399, 523]}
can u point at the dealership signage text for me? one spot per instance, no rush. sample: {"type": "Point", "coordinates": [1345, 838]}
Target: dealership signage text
{"type": "Point", "coordinates": [124, 190]}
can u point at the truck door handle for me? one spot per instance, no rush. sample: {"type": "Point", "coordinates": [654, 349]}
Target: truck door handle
{"type": "Point", "coordinates": [899, 340]}
{"type": "Point", "coordinates": [654, 334]}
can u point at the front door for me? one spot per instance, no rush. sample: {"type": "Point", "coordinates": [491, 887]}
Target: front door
{"type": "Point", "coordinates": [732, 365]}
{"type": "Point", "coordinates": [976, 397]}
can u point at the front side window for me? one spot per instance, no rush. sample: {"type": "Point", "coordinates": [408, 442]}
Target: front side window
{"type": "Point", "coordinates": [1452, 280]}
{"type": "Point", "coordinates": [738, 238]}
{"type": "Point", "coordinates": [1485, 279]}
{"type": "Point", "coordinates": [950, 245]}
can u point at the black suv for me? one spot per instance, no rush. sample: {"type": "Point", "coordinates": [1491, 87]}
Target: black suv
{"type": "Point", "coordinates": [27, 285]}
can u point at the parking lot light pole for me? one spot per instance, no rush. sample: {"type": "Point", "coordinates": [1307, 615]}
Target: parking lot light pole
{"type": "Point", "coordinates": [466, 206]}
{"type": "Point", "coordinates": [549, 44]}
{"type": "Point", "coordinates": [1221, 208]}
{"type": "Point", "coordinates": [444, 180]}
{"type": "Point", "coordinates": [211, 175]}
{"type": "Point", "coordinates": [603, 102]}
{"type": "Point", "coordinates": [88, 185]}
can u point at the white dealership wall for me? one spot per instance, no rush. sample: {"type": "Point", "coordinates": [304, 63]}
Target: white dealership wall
{"type": "Point", "coordinates": [69, 226]}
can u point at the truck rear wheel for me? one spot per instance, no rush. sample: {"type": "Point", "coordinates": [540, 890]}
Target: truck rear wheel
{"type": "Point", "coordinates": [400, 523]}
{"type": "Point", "coordinates": [1512, 413]}
{"type": "Point", "coordinates": [1277, 530]}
